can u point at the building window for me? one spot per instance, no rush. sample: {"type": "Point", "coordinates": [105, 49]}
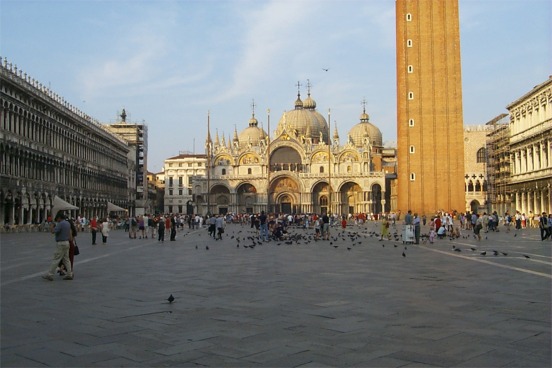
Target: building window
{"type": "Point", "coordinates": [412, 176]}
{"type": "Point", "coordinates": [321, 169]}
{"type": "Point", "coordinates": [408, 17]}
{"type": "Point", "coordinates": [481, 155]}
{"type": "Point", "coordinates": [412, 149]}
{"type": "Point", "coordinates": [410, 95]}
{"type": "Point", "coordinates": [170, 181]}
{"type": "Point", "coordinates": [411, 122]}
{"type": "Point", "coordinates": [249, 171]}
{"type": "Point", "coordinates": [223, 171]}
{"type": "Point", "coordinates": [410, 69]}
{"type": "Point", "coordinates": [408, 43]}
{"type": "Point", "coordinates": [170, 192]}
{"type": "Point", "coordinates": [180, 180]}
{"type": "Point", "coordinates": [179, 191]}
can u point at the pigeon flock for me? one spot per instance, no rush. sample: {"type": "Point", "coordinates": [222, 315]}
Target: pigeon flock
{"type": "Point", "coordinates": [349, 239]}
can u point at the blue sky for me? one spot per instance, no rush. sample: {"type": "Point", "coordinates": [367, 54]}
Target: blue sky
{"type": "Point", "coordinates": [169, 62]}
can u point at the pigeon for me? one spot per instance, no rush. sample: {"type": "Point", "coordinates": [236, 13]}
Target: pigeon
{"type": "Point", "coordinates": [196, 246]}
{"type": "Point", "coordinates": [495, 252]}
{"type": "Point", "coordinates": [526, 256]}
{"type": "Point", "coordinates": [473, 249]}
{"type": "Point", "coordinates": [348, 248]}
{"type": "Point", "coordinates": [515, 235]}
{"type": "Point", "coordinates": [170, 298]}
{"type": "Point", "coordinates": [504, 254]}
{"type": "Point", "coordinates": [335, 246]}
{"type": "Point", "coordinates": [206, 247]}
{"type": "Point", "coordinates": [457, 249]}
{"type": "Point", "coordinates": [483, 253]}
{"type": "Point", "coordinates": [404, 255]}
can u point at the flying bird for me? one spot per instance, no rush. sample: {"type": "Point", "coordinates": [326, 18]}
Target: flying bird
{"type": "Point", "coordinates": [325, 69]}
{"type": "Point", "coordinates": [170, 298]}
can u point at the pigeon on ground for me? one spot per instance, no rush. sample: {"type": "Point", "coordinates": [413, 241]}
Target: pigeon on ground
{"type": "Point", "coordinates": [526, 256]}
{"type": "Point", "coordinates": [404, 255]}
{"type": "Point", "coordinates": [483, 253]}
{"type": "Point", "coordinates": [170, 298]}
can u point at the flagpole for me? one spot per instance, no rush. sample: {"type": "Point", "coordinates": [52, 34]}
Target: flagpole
{"type": "Point", "coordinates": [268, 165]}
{"type": "Point", "coordinates": [329, 166]}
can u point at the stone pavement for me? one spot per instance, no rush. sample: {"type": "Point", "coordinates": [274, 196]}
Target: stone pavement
{"type": "Point", "coordinates": [353, 301]}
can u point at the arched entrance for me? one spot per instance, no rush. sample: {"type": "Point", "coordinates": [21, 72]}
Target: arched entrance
{"type": "Point", "coordinates": [376, 199]}
{"type": "Point", "coordinates": [474, 206]}
{"type": "Point", "coordinates": [247, 198]}
{"type": "Point", "coordinates": [220, 198]}
{"type": "Point", "coordinates": [350, 198]}
{"type": "Point", "coordinates": [320, 198]}
{"type": "Point", "coordinates": [283, 191]}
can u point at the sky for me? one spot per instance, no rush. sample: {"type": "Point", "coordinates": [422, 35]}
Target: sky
{"type": "Point", "coordinates": [171, 63]}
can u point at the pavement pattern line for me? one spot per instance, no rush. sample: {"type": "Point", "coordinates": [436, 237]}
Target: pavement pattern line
{"type": "Point", "coordinates": [492, 263]}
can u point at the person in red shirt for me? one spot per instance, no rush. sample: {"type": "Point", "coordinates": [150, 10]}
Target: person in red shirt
{"type": "Point", "coordinates": [93, 229]}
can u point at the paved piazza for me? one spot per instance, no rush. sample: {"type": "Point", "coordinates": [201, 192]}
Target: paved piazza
{"type": "Point", "coordinates": [353, 301]}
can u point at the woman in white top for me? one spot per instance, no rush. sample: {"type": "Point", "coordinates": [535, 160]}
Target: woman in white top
{"type": "Point", "coordinates": [105, 230]}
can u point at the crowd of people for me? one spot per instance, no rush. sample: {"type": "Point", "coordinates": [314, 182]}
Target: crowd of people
{"type": "Point", "coordinates": [275, 227]}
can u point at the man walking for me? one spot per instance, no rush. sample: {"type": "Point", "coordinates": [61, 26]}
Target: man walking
{"type": "Point", "coordinates": [264, 226]}
{"type": "Point", "coordinates": [544, 227]}
{"type": "Point", "coordinates": [62, 232]}
{"type": "Point", "coordinates": [94, 229]}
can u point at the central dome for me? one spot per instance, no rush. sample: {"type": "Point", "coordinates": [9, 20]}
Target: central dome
{"type": "Point", "coordinates": [305, 121]}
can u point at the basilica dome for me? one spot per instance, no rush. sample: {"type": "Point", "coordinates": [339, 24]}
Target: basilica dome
{"type": "Point", "coordinates": [365, 129]}
{"type": "Point", "coordinates": [252, 134]}
{"type": "Point", "coordinates": [304, 120]}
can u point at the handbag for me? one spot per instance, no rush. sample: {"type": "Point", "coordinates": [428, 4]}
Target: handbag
{"type": "Point", "coordinates": [76, 252]}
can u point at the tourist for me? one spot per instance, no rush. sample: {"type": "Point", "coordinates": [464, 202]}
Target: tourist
{"type": "Point", "coordinates": [544, 226]}
{"type": "Point", "coordinates": [104, 228]}
{"type": "Point", "coordinates": [263, 225]}
{"type": "Point", "coordinates": [94, 229]}
{"type": "Point", "coordinates": [62, 231]}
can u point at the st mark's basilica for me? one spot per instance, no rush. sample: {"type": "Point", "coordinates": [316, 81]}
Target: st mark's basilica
{"type": "Point", "coordinates": [302, 169]}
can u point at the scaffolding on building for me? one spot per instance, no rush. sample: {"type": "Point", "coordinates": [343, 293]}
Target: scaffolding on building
{"type": "Point", "coordinates": [498, 164]}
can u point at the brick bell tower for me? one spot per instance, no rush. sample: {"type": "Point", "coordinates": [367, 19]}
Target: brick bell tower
{"type": "Point", "coordinates": [430, 134]}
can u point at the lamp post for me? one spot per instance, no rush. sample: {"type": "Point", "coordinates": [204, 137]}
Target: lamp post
{"type": "Point", "coordinates": [209, 147]}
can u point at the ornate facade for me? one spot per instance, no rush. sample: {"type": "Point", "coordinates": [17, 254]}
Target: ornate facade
{"type": "Point", "coordinates": [531, 150]}
{"type": "Point", "coordinates": [475, 163]}
{"type": "Point", "coordinates": [429, 107]}
{"type": "Point", "coordinates": [301, 169]}
{"type": "Point", "coordinates": [49, 148]}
